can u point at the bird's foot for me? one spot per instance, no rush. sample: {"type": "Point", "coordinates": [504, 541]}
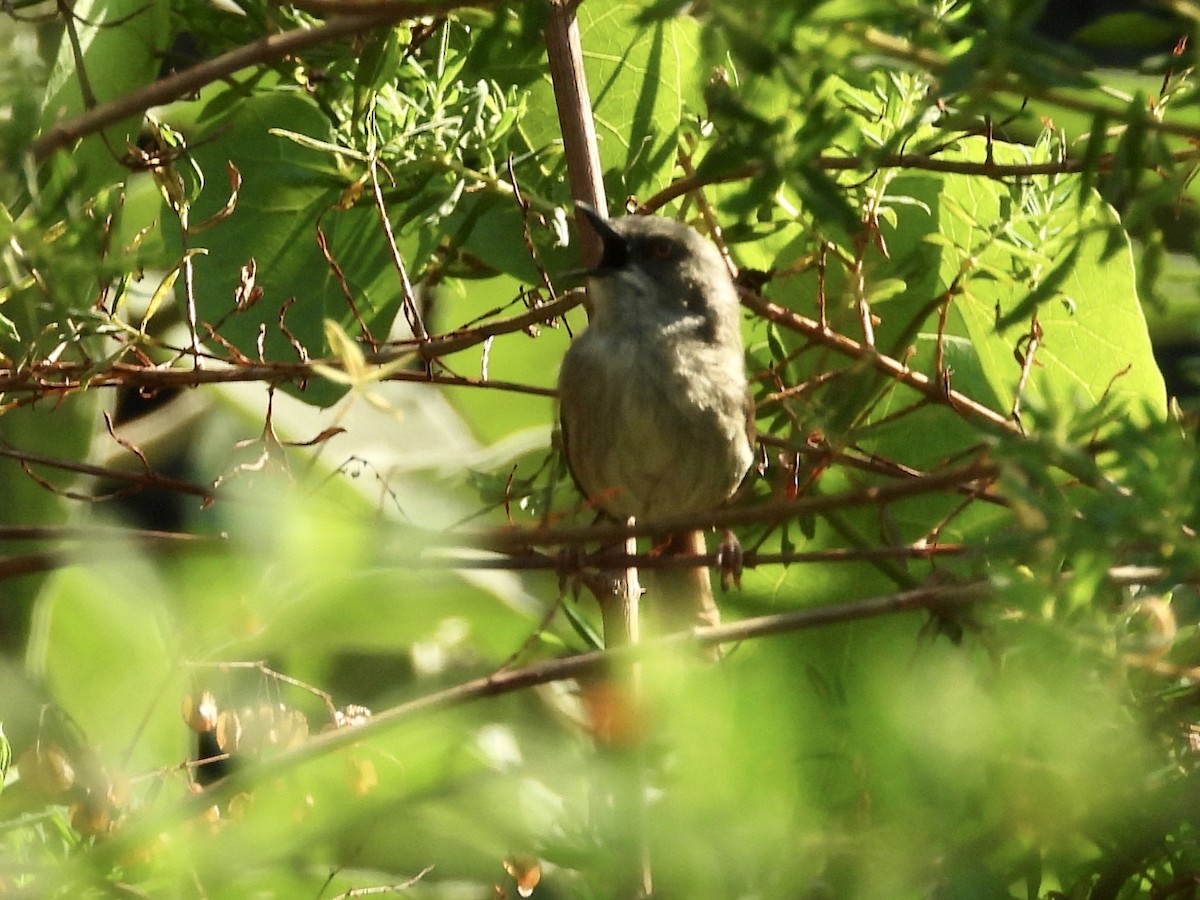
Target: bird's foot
{"type": "Point", "coordinates": [730, 560]}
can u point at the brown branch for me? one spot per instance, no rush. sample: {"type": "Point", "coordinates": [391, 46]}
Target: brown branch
{"type": "Point", "coordinates": [920, 162]}
{"type": "Point", "coordinates": [455, 341]}
{"type": "Point", "coordinates": [135, 479]}
{"type": "Point", "coordinates": [987, 168]}
{"type": "Point", "coordinates": [534, 561]}
{"type": "Point", "coordinates": [826, 455]}
{"type": "Point", "coordinates": [339, 276]}
{"type": "Point", "coordinates": [267, 49]}
{"type": "Point", "coordinates": [32, 563]}
{"type": "Point", "coordinates": [509, 539]}
{"type": "Point", "coordinates": [155, 379]}
{"type": "Point", "coordinates": [931, 597]}
{"type": "Point", "coordinates": [92, 534]}
{"type": "Point", "coordinates": [54, 378]}
{"type": "Point", "coordinates": [332, 8]}
{"type": "Point", "coordinates": [936, 597]}
{"type": "Point", "coordinates": [918, 381]}
{"type": "Point", "coordinates": [694, 182]}
{"type": "Point", "coordinates": [565, 59]}
{"type": "Point", "coordinates": [156, 542]}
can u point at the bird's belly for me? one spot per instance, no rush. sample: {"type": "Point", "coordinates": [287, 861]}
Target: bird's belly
{"type": "Point", "coordinates": [658, 451]}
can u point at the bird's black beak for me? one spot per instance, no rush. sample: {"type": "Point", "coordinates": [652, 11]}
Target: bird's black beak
{"type": "Point", "coordinates": [615, 250]}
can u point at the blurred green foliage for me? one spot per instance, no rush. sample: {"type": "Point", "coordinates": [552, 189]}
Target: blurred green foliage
{"type": "Point", "coordinates": [995, 205]}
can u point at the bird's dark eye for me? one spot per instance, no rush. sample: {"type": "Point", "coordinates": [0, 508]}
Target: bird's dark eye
{"type": "Point", "coordinates": [661, 249]}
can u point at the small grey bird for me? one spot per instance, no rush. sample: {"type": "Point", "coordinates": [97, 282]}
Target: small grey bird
{"type": "Point", "coordinates": [656, 415]}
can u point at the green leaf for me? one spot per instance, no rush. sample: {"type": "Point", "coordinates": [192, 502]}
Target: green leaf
{"type": "Point", "coordinates": [65, 433]}
{"type": "Point", "coordinates": [287, 190]}
{"type": "Point", "coordinates": [1127, 30]}
{"type": "Point", "coordinates": [825, 199]}
{"type": "Point", "coordinates": [1095, 346]}
{"type": "Point", "coordinates": [121, 44]}
{"type": "Point", "coordinates": [6, 756]}
{"type": "Point", "coordinates": [645, 84]}
{"type": "Point", "coordinates": [886, 288]}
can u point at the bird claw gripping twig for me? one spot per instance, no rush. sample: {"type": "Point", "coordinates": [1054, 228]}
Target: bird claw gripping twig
{"type": "Point", "coordinates": [730, 560]}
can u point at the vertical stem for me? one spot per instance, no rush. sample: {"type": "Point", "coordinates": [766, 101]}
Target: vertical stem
{"type": "Point", "coordinates": [408, 297]}
{"type": "Point", "coordinates": [619, 611]}
{"type": "Point", "coordinates": [565, 55]}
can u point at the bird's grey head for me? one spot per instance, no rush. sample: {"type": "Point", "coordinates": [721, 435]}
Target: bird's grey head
{"type": "Point", "coordinates": [659, 272]}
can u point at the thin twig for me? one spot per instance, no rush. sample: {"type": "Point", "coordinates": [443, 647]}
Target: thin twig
{"type": "Point", "coordinates": [51, 378]}
{"type": "Point", "coordinates": [893, 368]}
{"type": "Point", "coordinates": [135, 479]}
{"type": "Point", "coordinates": [94, 533]}
{"type": "Point", "coordinates": [408, 297]}
{"type": "Point", "coordinates": [1026, 354]}
{"type": "Point", "coordinates": [383, 888]}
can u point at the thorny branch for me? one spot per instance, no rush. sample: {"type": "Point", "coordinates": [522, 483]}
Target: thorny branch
{"type": "Point", "coordinates": [773, 511]}
{"type": "Point", "coordinates": [52, 378]}
{"type": "Point", "coordinates": [135, 479]}
{"type": "Point", "coordinates": [752, 559]}
{"type": "Point", "coordinates": [887, 365]}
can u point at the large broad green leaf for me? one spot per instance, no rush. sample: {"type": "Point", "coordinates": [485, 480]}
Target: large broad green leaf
{"type": "Point", "coordinates": [644, 84]}
{"type": "Point", "coordinates": [62, 432]}
{"type": "Point", "coordinates": [121, 44]}
{"type": "Point", "coordinates": [999, 255]}
{"type": "Point", "coordinates": [1013, 252]}
{"type": "Point", "coordinates": [1010, 251]}
{"type": "Point", "coordinates": [1072, 267]}
{"type": "Point", "coordinates": [287, 191]}
{"type": "Point", "coordinates": [112, 619]}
